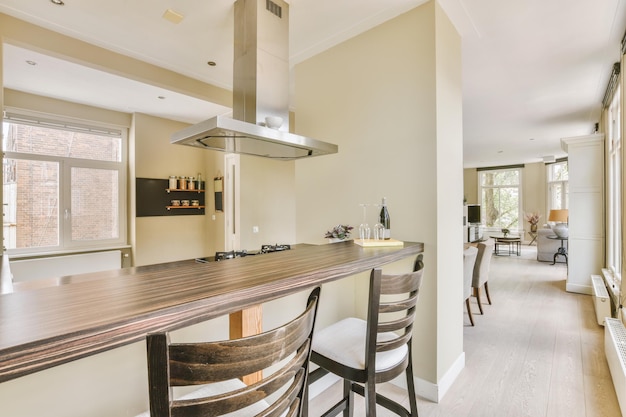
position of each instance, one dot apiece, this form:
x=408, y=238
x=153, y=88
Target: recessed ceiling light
x=29, y=62
x=532, y=139
x=57, y=2
x=161, y=97
x=173, y=16
x=211, y=63
x=500, y=151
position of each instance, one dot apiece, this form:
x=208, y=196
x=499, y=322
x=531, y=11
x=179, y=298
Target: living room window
x=64, y=185
x=614, y=187
x=558, y=185
x=500, y=196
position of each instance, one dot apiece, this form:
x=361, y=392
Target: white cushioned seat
x=344, y=342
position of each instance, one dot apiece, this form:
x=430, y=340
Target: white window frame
x=614, y=188
x=564, y=186
x=66, y=244
x=520, y=218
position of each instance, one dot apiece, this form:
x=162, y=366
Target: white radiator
x=601, y=300
x=615, y=351
x=59, y=266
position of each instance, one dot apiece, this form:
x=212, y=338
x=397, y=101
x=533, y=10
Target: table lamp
x=560, y=217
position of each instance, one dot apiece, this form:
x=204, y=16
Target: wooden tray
x=371, y=242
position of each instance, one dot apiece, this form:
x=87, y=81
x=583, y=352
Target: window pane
x=508, y=177
x=31, y=198
x=558, y=172
x=501, y=207
x=42, y=140
x=95, y=204
x=556, y=195
x=500, y=198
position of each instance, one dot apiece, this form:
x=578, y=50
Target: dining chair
x=480, y=276
x=218, y=366
x=469, y=260
x=367, y=352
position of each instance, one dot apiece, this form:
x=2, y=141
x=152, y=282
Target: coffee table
x=512, y=243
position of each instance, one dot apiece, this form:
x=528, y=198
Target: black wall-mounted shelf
x=154, y=197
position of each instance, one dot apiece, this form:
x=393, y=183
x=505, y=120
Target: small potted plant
x=533, y=219
x=339, y=233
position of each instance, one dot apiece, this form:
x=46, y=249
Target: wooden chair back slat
x=401, y=321
x=188, y=364
x=202, y=363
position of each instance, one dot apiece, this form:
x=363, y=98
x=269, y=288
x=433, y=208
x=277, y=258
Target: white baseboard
x=578, y=288
x=435, y=392
x=423, y=388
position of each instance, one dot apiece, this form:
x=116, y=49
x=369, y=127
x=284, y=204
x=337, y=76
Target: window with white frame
x=557, y=175
x=614, y=187
x=64, y=185
x=500, y=196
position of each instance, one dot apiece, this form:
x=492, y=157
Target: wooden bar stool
x=365, y=353
x=218, y=366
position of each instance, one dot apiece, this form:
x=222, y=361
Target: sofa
x=546, y=248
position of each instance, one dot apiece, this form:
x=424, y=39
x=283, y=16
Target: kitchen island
x=77, y=316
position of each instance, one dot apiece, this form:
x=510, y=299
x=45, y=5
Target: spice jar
x=173, y=182
x=182, y=183
x=191, y=183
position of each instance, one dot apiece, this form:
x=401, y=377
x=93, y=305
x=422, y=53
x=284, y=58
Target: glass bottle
x=385, y=220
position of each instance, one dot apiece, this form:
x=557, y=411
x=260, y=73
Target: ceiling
x=534, y=71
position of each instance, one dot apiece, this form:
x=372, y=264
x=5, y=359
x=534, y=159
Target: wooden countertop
x=81, y=315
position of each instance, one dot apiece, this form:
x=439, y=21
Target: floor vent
x=615, y=350
x=601, y=300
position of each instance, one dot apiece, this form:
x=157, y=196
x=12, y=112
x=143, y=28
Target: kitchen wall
x=158, y=239
x=267, y=202
x=391, y=99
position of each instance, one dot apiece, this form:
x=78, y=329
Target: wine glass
x=364, y=228
x=379, y=229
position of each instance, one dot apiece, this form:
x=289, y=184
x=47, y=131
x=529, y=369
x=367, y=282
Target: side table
x=533, y=237
x=562, y=251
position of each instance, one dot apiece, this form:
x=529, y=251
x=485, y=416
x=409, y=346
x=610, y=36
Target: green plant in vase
x=341, y=232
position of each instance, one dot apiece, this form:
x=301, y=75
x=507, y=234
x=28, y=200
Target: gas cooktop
x=222, y=256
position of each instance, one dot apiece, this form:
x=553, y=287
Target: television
x=473, y=214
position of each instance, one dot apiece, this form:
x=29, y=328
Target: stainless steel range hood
x=260, y=89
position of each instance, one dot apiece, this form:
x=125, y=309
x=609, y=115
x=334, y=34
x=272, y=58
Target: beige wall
x=470, y=185
x=391, y=99
x=267, y=201
x=168, y=238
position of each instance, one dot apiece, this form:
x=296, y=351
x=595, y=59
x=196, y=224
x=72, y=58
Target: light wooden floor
x=537, y=351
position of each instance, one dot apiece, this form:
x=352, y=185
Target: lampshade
x=558, y=216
